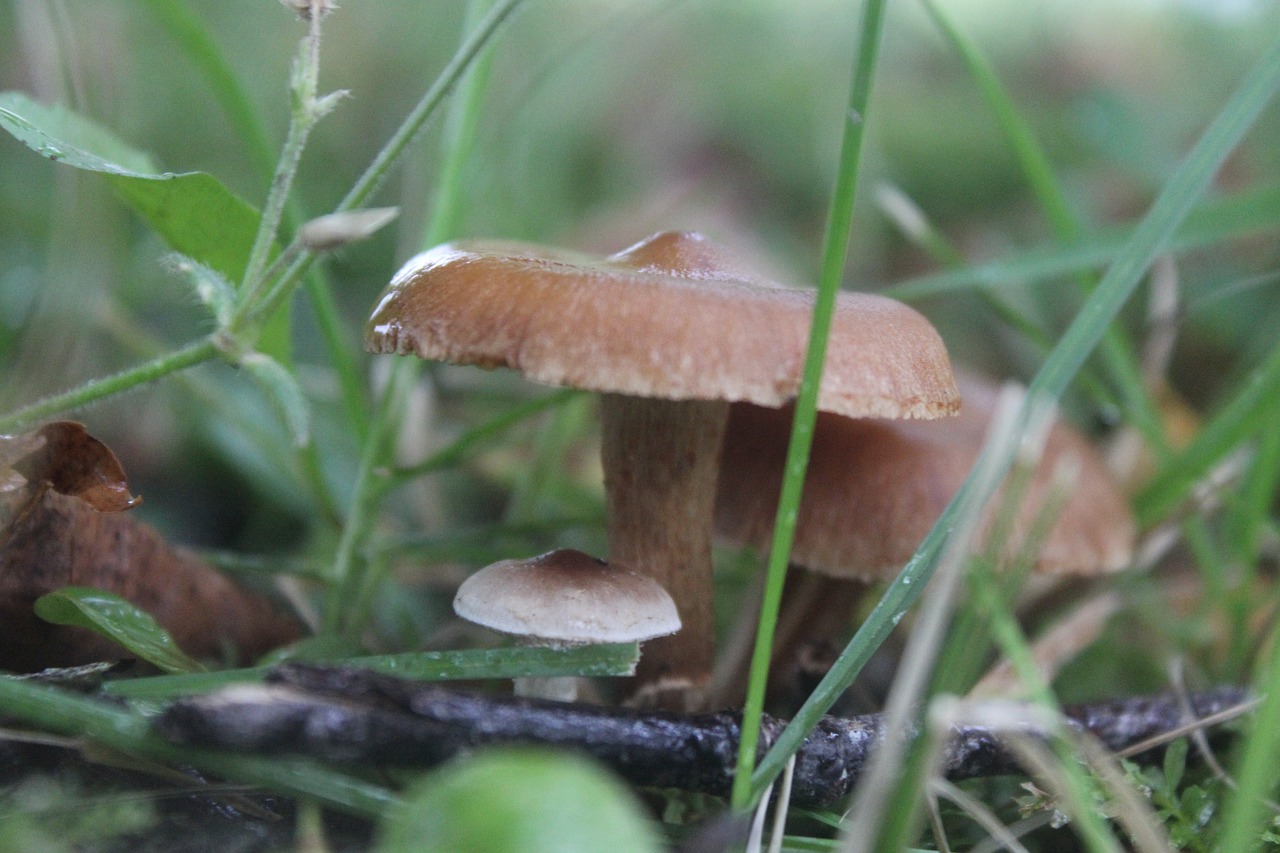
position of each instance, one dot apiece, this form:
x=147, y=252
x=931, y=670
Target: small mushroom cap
x=875, y=487
x=672, y=317
x=568, y=597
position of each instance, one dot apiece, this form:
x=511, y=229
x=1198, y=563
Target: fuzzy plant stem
x=186, y=28
x=390, y=153
x=307, y=111
x=839, y=221
x=351, y=576
x=257, y=310
x=337, y=713
x=192, y=354
x=345, y=577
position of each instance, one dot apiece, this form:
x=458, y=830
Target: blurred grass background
x=601, y=122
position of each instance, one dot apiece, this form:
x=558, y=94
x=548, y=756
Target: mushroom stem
x=559, y=688
x=661, y=459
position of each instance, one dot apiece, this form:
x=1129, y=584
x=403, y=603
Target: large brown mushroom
x=670, y=331
x=875, y=488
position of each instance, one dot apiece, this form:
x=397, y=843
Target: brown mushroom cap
x=567, y=596
x=875, y=488
x=670, y=317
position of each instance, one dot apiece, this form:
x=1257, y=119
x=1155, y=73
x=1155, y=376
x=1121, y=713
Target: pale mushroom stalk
x=561, y=688
x=661, y=459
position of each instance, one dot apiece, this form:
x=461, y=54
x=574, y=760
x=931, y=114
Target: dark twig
x=350, y=715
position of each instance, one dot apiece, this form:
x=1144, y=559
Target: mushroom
x=669, y=331
x=565, y=598
x=876, y=487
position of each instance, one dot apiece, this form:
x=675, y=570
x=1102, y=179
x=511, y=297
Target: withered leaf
x=72, y=462
x=62, y=528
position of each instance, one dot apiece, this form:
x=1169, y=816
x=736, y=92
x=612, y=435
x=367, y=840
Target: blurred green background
x=602, y=122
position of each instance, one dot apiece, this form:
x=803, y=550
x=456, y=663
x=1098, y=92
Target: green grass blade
x=466, y=55
x=124, y=731
x=461, y=126
x=836, y=245
x=1246, y=811
x=192, y=37
x=1146, y=241
x=109, y=615
x=916, y=227
x=1117, y=351
x=1245, y=416
x=1030, y=154
x=1210, y=222
x=608, y=660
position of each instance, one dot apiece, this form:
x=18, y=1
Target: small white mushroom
x=565, y=598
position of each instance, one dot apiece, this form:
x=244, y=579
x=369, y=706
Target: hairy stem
x=307, y=111
x=98, y=389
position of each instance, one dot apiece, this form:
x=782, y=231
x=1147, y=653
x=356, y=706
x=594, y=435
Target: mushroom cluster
x=669, y=332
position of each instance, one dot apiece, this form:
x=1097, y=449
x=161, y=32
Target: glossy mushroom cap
x=875, y=488
x=568, y=597
x=671, y=317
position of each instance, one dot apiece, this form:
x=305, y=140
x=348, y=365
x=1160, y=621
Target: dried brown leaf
x=72, y=462
x=61, y=526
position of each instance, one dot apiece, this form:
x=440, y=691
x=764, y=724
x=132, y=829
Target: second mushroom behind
x=875, y=489
x=669, y=331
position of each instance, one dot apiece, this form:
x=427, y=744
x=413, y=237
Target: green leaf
x=1175, y=762
x=111, y=616
x=519, y=801
x=193, y=212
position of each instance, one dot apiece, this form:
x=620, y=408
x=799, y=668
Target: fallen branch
x=358, y=716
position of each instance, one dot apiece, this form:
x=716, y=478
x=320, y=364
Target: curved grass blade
x=614, y=659
x=1211, y=222
x=1117, y=350
x=120, y=621
x=53, y=710
x=835, y=251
